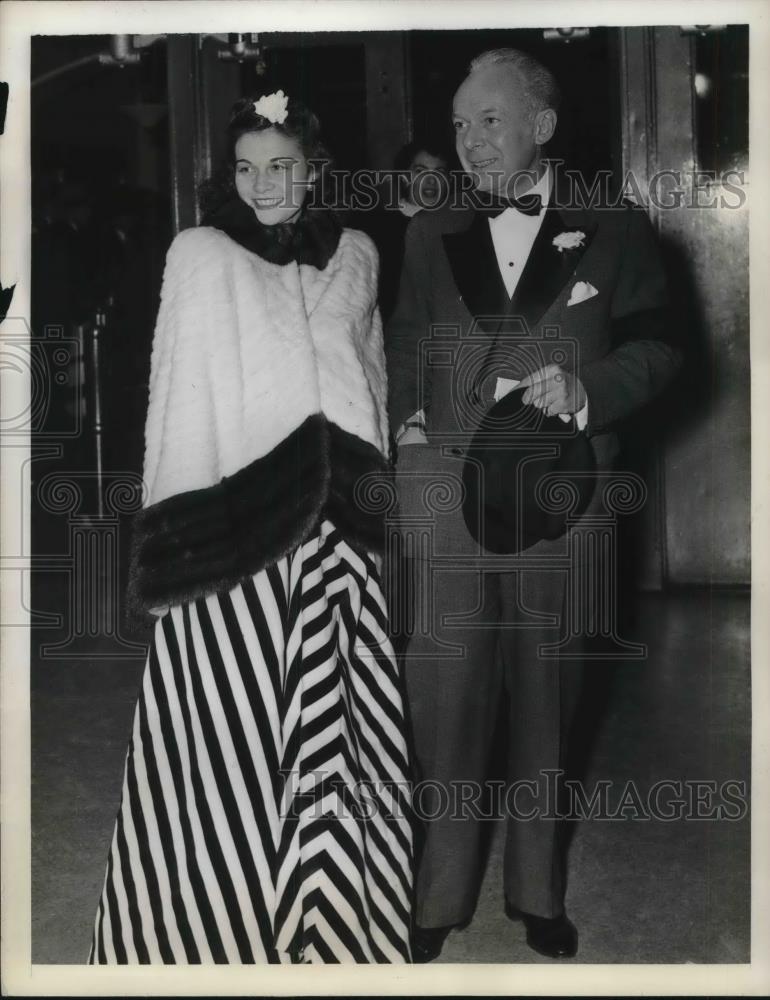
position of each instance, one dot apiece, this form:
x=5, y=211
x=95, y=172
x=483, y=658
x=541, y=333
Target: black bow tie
x=528, y=204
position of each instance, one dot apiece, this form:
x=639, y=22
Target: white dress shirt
x=513, y=236
x=514, y=233
x=408, y=208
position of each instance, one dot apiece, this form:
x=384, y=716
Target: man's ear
x=545, y=126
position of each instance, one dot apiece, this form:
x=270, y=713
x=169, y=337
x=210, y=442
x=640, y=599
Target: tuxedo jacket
x=592, y=297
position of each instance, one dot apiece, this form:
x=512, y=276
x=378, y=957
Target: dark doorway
x=328, y=78
x=101, y=225
x=588, y=129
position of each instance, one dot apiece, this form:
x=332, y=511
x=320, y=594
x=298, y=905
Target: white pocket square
x=581, y=291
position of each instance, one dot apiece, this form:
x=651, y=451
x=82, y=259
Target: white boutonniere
x=274, y=107
x=569, y=240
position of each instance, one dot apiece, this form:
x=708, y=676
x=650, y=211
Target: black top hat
x=525, y=475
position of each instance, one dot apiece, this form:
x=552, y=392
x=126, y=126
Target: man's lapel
x=472, y=259
x=548, y=268
x=476, y=273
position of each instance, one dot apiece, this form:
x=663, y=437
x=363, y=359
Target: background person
x=419, y=165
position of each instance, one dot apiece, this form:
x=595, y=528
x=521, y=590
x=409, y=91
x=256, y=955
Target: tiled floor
x=639, y=891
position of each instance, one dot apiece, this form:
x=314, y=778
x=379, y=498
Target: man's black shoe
x=427, y=942
x=554, y=937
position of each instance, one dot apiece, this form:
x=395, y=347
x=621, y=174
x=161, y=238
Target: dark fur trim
x=356, y=514
x=206, y=541
x=312, y=238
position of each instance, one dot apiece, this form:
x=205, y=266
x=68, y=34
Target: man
x=594, y=277
x=419, y=164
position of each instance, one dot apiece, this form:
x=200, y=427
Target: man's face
x=424, y=186
x=494, y=136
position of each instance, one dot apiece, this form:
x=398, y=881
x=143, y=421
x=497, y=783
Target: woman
x=263, y=816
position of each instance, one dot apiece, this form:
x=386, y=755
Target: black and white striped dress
x=264, y=813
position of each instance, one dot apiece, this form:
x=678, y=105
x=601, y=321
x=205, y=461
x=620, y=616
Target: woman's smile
x=271, y=175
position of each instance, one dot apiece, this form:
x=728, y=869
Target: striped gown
x=264, y=813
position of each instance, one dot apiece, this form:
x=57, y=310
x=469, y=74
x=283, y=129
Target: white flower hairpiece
x=569, y=240
x=274, y=107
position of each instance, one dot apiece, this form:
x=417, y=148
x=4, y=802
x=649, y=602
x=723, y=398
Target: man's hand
x=554, y=390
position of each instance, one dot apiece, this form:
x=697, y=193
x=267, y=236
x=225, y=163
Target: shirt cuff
x=417, y=419
x=581, y=417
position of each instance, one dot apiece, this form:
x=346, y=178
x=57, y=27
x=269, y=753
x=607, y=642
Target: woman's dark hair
x=422, y=144
x=300, y=124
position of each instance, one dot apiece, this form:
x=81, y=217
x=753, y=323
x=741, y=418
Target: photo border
x=19, y=20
